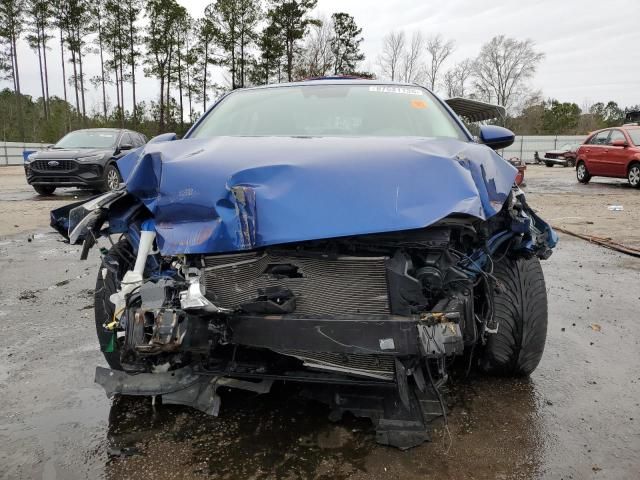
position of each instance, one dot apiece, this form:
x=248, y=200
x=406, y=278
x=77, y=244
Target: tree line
x=251, y=42
x=500, y=73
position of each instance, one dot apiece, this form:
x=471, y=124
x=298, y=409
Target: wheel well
x=631, y=164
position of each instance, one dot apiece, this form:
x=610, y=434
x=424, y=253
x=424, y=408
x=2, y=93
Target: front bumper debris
x=401, y=416
x=177, y=387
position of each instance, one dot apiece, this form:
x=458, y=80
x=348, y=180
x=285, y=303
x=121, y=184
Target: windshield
x=634, y=133
x=568, y=147
x=88, y=139
x=330, y=110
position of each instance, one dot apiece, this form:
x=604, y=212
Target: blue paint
x=238, y=193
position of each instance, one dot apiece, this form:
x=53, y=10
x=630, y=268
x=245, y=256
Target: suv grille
x=339, y=285
x=52, y=165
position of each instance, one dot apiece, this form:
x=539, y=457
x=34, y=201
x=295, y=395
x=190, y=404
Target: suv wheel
x=521, y=311
x=44, y=189
x=549, y=164
x=112, y=178
x=582, y=173
x=634, y=175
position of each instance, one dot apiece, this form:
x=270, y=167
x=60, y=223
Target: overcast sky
x=590, y=47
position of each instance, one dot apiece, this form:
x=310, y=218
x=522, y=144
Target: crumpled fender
x=238, y=193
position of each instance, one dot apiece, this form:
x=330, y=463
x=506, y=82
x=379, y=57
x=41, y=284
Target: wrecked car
x=347, y=235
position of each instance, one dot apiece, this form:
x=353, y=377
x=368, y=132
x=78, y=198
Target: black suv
x=83, y=158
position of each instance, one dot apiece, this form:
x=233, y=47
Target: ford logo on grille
x=53, y=163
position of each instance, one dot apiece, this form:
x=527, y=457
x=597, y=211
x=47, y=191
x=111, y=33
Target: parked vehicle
x=565, y=155
x=82, y=158
x=632, y=116
x=611, y=152
x=348, y=235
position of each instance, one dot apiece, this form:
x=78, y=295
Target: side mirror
x=496, y=137
x=619, y=143
x=164, y=137
x=125, y=146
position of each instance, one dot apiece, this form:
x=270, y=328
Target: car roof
x=333, y=81
x=106, y=129
x=98, y=130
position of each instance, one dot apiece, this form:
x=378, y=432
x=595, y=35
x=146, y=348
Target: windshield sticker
x=418, y=103
x=394, y=89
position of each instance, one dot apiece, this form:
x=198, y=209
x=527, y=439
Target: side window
x=616, y=135
x=126, y=139
x=142, y=138
x=600, y=138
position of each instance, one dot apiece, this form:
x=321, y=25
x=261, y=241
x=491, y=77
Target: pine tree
x=345, y=44
x=290, y=17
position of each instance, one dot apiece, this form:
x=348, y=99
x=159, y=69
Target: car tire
x=571, y=163
x=103, y=308
x=582, y=174
x=520, y=307
x=633, y=175
x=112, y=178
x=44, y=189
x=548, y=164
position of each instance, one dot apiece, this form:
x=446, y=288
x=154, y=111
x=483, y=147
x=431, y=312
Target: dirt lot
x=583, y=209
x=577, y=417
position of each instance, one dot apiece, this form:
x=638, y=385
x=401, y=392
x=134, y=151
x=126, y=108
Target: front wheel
x=549, y=164
x=119, y=260
x=520, y=308
x=112, y=178
x=44, y=189
x=634, y=175
x=582, y=173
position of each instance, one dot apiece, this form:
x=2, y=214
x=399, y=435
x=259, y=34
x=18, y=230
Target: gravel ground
x=577, y=417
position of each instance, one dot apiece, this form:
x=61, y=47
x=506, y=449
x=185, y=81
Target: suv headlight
x=31, y=157
x=91, y=158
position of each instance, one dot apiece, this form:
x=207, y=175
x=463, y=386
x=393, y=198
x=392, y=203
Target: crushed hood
x=238, y=193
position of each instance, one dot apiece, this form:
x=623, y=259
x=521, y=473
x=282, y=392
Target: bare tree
x=503, y=68
x=392, y=54
x=439, y=50
x=412, y=58
x=316, y=58
x=456, y=79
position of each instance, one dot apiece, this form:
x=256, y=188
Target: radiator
x=322, y=286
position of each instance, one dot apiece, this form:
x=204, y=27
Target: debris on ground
x=122, y=452
x=28, y=295
x=595, y=327
x=603, y=242
x=615, y=208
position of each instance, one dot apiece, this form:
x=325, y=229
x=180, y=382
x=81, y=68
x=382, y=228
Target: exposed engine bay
x=379, y=317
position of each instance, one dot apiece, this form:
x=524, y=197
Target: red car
x=612, y=152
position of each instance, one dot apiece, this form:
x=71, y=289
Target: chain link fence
x=525, y=146
x=12, y=153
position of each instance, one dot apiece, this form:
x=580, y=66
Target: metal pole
x=521, y=142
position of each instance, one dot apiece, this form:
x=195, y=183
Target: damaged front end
x=370, y=322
